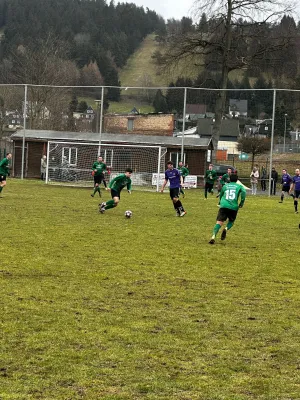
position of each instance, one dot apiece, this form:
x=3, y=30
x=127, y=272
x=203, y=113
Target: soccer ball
x=128, y=214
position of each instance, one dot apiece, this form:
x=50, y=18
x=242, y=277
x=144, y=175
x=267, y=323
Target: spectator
x=43, y=167
x=263, y=179
x=274, y=180
x=254, y=180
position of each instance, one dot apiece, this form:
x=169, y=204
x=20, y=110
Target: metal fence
x=178, y=110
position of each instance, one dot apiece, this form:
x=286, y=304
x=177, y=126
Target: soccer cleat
x=102, y=207
x=217, y=196
x=299, y=226
x=280, y=202
x=212, y=241
x=182, y=214
x=296, y=212
x=223, y=235
x=92, y=195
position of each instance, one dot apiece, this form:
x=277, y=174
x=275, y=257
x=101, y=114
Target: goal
x=70, y=163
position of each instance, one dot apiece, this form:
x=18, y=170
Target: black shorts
x=209, y=186
x=297, y=194
x=115, y=193
x=285, y=188
x=98, y=178
x=174, y=192
x=225, y=213
x=2, y=178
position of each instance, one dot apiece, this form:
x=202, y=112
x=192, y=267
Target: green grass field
x=99, y=307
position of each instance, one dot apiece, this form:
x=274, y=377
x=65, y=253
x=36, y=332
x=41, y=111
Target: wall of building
x=195, y=158
x=32, y=163
x=151, y=124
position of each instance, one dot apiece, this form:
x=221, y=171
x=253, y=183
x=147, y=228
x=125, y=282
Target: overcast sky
x=178, y=8
x=168, y=8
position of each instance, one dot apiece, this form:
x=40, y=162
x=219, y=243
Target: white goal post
x=70, y=163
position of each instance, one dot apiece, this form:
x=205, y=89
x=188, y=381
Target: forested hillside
x=95, y=36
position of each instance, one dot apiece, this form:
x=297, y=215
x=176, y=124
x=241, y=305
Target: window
x=130, y=124
x=70, y=155
x=176, y=157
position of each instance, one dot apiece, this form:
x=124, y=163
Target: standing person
x=173, y=176
x=4, y=170
x=210, y=178
x=263, y=179
x=286, y=181
x=295, y=186
x=254, y=180
x=43, y=167
x=274, y=180
x=98, y=171
x=232, y=197
x=184, y=171
x=115, y=186
x=225, y=179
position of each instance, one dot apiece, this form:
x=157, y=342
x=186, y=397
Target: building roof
x=238, y=105
x=229, y=127
x=195, y=109
x=93, y=137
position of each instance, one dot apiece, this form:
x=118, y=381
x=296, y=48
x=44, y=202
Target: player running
x=173, y=176
x=116, y=185
x=225, y=179
x=98, y=171
x=295, y=186
x=232, y=197
x=183, y=172
x=210, y=178
x=4, y=170
x=286, y=181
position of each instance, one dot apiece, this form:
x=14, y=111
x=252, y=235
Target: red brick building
x=140, y=124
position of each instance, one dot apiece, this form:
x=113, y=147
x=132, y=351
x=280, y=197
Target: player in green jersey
x=4, y=170
x=225, y=179
x=98, y=171
x=184, y=171
x=210, y=178
x=115, y=187
x=232, y=197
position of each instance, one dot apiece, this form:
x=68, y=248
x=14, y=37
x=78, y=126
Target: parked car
x=222, y=169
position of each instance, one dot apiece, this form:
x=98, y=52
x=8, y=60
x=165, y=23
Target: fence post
x=272, y=140
x=158, y=169
x=101, y=119
x=24, y=132
x=183, y=125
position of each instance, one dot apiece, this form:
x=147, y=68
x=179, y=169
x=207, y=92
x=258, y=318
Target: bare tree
x=43, y=62
x=236, y=37
x=253, y=145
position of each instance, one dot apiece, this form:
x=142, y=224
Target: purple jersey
x=296, y=182
x=173, y=176
x=286, y=179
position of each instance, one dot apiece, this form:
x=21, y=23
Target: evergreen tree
x=160, y=103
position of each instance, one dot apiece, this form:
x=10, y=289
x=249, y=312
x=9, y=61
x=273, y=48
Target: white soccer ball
x=128, y=214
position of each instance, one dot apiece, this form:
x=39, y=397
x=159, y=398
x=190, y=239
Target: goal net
x=70, y=163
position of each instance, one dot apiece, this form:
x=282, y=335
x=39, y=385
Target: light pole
x=285, y=115
x=100, y=105
x=98, y=102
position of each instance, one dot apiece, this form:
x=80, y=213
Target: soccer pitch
x=103, y=307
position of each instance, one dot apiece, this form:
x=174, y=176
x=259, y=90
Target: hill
x=141, y=70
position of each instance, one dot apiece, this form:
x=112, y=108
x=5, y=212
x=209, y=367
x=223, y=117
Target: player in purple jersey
x=175, y=178
x=295, y=186
x=286, y=181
